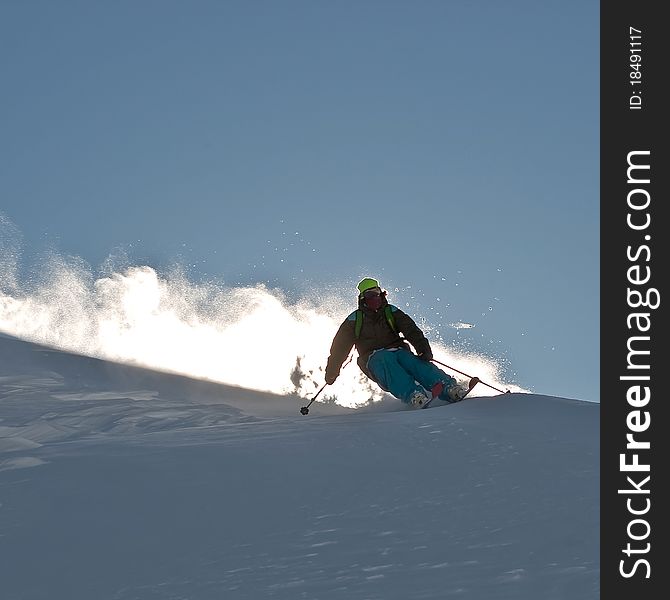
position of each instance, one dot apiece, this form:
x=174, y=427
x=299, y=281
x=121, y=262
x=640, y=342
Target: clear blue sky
x=450, y=148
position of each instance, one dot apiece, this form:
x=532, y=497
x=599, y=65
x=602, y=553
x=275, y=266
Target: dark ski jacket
x=376, y=333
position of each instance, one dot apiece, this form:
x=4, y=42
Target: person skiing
x=384, y=356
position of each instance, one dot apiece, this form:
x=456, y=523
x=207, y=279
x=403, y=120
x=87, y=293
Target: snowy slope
x=120, y=483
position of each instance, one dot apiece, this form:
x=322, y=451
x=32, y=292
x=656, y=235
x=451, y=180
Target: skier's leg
x=426, y=373
x=391, y=377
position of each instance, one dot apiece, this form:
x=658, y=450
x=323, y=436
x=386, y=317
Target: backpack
x=388, y=313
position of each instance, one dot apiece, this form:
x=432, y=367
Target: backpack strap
x=388, y=313
x=359, y=323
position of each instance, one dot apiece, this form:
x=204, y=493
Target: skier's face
x=373, y=298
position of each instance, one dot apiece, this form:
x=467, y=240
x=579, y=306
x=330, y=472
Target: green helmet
x=367, y=284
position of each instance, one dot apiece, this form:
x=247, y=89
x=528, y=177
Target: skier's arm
x=342, y=344
x=413, y=334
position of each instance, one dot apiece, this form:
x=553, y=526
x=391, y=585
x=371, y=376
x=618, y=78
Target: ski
x=473, y=382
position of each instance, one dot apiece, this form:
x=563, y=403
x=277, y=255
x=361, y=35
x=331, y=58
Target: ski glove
x=330, y=379
x=427, y=355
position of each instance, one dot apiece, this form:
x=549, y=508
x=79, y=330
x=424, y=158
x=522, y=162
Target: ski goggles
x=372, y=293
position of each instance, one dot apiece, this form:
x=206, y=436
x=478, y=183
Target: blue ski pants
x=402, y=373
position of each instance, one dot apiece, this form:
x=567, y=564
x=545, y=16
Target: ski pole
x=305, y=409
x=470, y=377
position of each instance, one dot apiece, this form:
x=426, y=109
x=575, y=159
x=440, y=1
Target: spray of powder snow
x=252, y=337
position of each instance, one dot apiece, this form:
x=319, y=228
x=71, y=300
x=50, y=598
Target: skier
x=384, y=356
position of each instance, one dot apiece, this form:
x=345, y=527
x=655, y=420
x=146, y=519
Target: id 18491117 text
x=635, y=71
